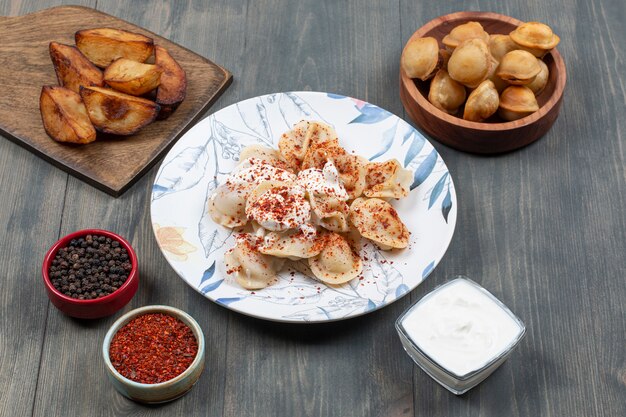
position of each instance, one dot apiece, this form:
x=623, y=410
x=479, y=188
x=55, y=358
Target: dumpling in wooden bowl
x=387, y=180
x=251, y=269
x=336, y=263
x=379, y=222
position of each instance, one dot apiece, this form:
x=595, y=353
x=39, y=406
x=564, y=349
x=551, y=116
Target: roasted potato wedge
x=73, y=68
x=132, y=77
x=113, y=112
x=64, y=115
x=104, y=45
x=173, y=86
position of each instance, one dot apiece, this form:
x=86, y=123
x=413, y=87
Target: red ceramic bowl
x=100, y=307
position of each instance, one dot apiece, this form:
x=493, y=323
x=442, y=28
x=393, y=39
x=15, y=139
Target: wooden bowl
x=495, y=135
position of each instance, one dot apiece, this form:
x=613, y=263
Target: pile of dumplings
x=488, y=73
x=309, y=200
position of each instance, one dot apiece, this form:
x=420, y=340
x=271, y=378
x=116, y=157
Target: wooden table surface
x=543, y=228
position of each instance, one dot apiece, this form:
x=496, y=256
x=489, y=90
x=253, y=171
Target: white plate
x=194, y=245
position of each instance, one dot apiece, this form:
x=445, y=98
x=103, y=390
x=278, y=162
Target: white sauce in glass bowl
x=461, y=328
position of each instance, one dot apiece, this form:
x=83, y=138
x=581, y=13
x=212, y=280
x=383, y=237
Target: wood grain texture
x=495, y=135
x=32, y=193
x=543, y=228
x=111, y=163
x=339, y=369
x=37, y=196
x=129, y=216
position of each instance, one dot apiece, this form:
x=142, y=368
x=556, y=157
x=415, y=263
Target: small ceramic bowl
x=495, y=135
x=99, y=307
x=164, y=391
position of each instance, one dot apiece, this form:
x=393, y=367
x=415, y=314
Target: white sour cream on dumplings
x=280, y=208
x=323, y=182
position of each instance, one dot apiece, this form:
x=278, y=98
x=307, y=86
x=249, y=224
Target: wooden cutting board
x=110, y=164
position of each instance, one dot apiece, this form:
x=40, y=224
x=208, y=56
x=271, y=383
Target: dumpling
x=293, y=244
x=294, y=144
x=278, y=205
x=227, y=204
x=331, y=214
x=265, y=154
x=327, y=197
x=251, y=269
x=254, y=170
x=351, y=168
x=317, y=156
x=336, y=263
x=379, y=222
x=352, y=171
x=354, y=239
x=387, y=180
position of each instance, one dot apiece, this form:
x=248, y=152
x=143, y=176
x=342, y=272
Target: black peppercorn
x=90, y=267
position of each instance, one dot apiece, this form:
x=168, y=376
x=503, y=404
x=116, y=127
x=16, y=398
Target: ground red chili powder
x=153, y=348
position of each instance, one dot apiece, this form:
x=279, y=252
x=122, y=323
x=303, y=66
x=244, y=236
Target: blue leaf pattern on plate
x=206, y=285
x=335, y=96
x=428, y=269
x=410, y=132
x=388, y=137
x=446, y=205
x=232, y=140
x=424, y=170
x=371, y=114
x=416, y=146
x=293, y=109
x=437, y=189
x=256, y=121
x=182, y=172
x=208, y=274
x=293, y=294
x=387, y=277
x=401, y=290
x=159, y=189
x=212, y=286
x=337, y=308
x=212, y=238
x=228, y=300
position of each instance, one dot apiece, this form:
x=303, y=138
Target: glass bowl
x=459, y=382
